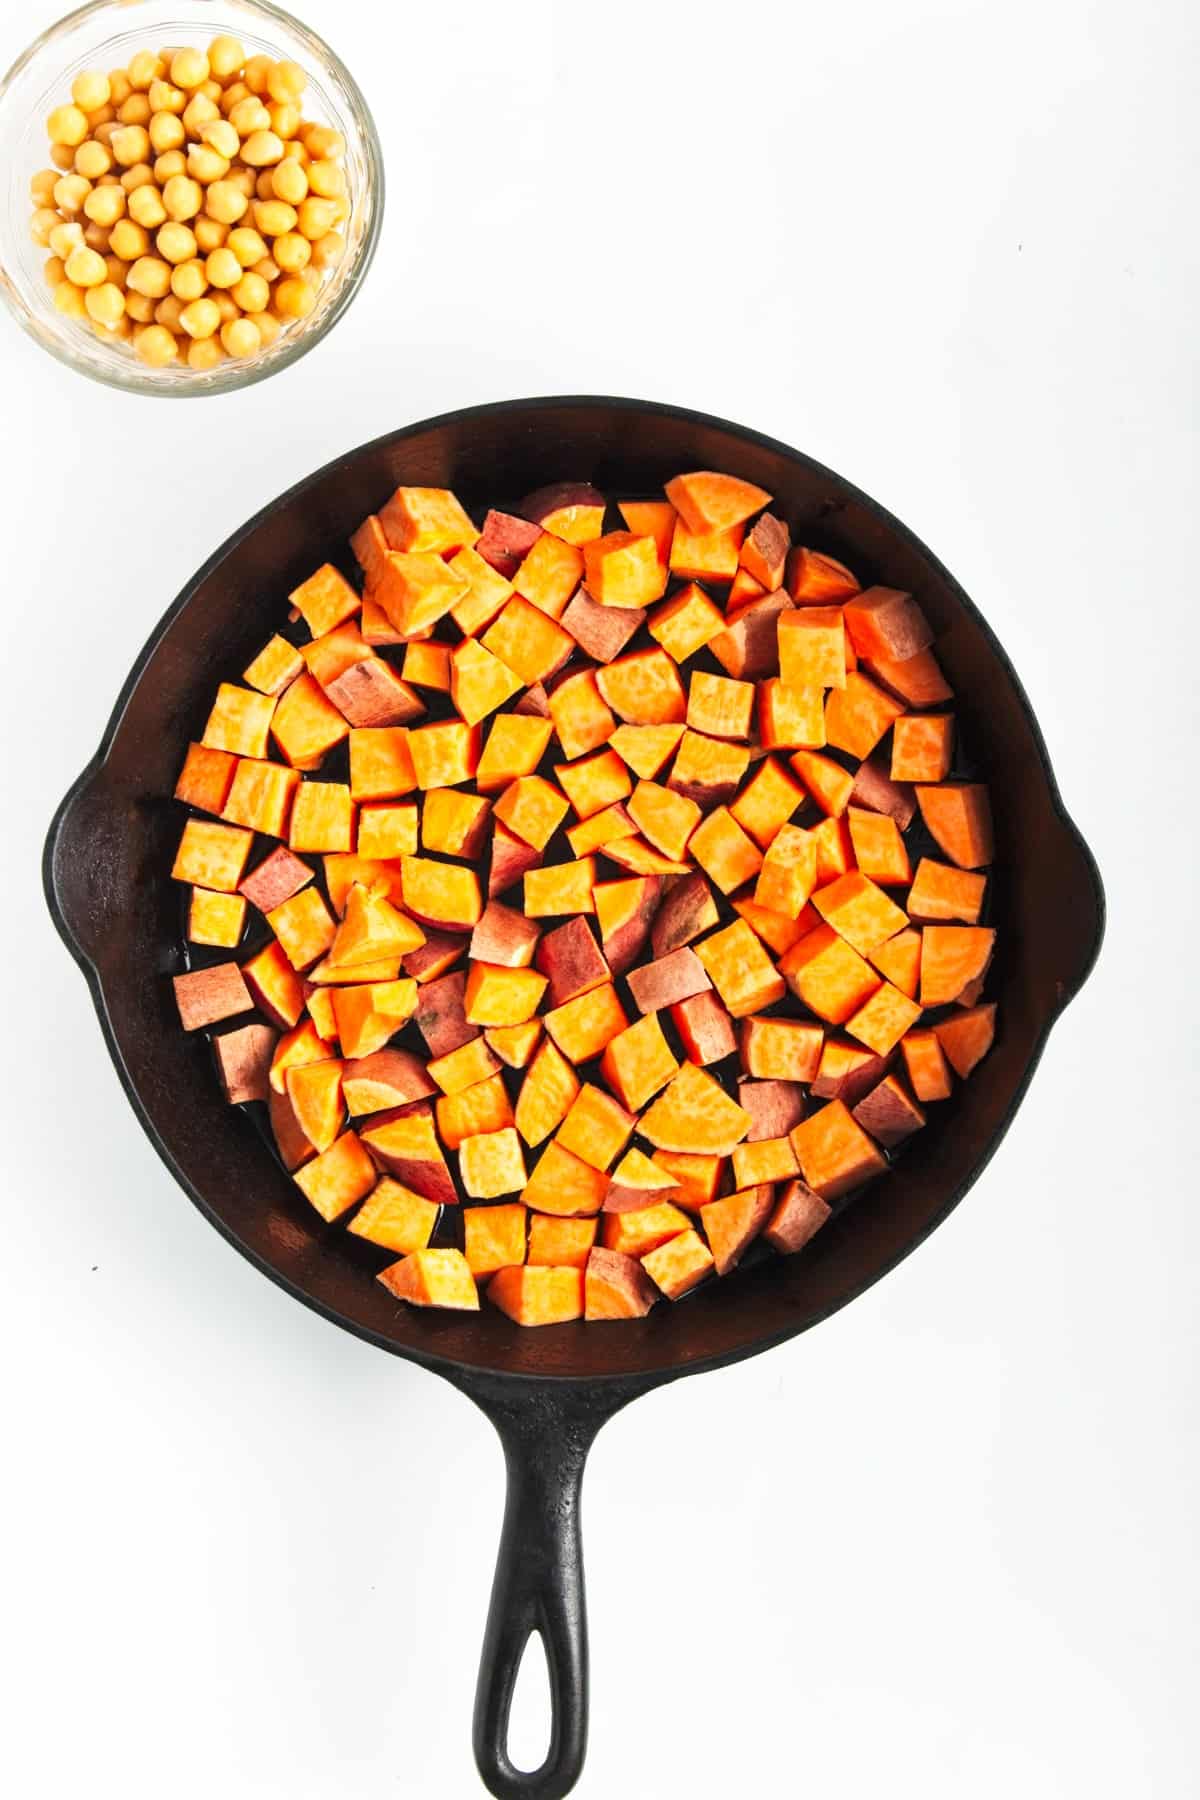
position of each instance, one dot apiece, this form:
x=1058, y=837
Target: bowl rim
x=126, y=374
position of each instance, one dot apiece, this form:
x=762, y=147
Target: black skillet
x=547, y=1391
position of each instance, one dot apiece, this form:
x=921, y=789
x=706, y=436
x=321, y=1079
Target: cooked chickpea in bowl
x=201, y=206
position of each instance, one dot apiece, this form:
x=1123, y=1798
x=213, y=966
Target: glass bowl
x=104, y=35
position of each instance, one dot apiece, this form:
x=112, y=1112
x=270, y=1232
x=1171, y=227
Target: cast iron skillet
x=546, y=1391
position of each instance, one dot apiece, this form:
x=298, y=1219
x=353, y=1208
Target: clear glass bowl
x=105, y=35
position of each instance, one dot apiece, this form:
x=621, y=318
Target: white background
x=946, y=1545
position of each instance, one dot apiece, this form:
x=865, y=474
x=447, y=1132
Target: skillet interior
x=111, y=844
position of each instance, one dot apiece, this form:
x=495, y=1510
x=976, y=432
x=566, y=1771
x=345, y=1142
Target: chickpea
x=261, y=149
x=165, y=98
x=226, y=306
x=106, y=333
x=129, y=240
x=66, y=236
x=212, y=90
x=150, y=276
x=235, y=92
x=105, y=304
x=328, y=250
x=140, y=175
x=188, y=281
x=225, y=56
x=70, y=192
x=166, y=131
x=246, y=245
x=210, y=233
x=256, y=73
x=168, y=311
x=206, y=165
x=93, y=160
x=85, y=267
x=298, y=153
x=285, y=118
x=264, y=186
x=156, y=346
x=117, y=268
x=201, y=319
x=182, y=197
x=175, y=243
x=198, y=113
x=103, y=134
x=293, y=298
x=135, y=111
x=244, y=181
x=225, y=201
x=204, y=354
x=91, y=88
x=219, y=135
x=67, y=125
x=269, y=328
x=69, y=300
x=289, y=181
x=251, y=293
x=119, y=86
x=274, y=217
x=249, y=116
x=240, y=337
x=96, y=237
x=169, y=164
x=41, y=187
x=315, y=217
x=103, y=115
x=130, y=145
x=325, y=178
x=105, y=205
x=55, y=271
x=62, y=156
x=189, y=68
x=138, y=307
x=144, y=68
x=146, y=207
x=223, y=269
x=43, y=222
x=292, y=252
x=266, y=269
x=324, y=141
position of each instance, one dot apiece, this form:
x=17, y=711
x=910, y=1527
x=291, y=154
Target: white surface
x=944, y=1546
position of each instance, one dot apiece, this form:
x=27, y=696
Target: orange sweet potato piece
x=705, y=556
x=666, y=819
x=859, y=911
x=748, y=648
x=372, y=930
x=386, y=833
x=322, y=818
x=719, y=707
x=775, y=930
x=685, y=623
x=370, y=693
x=952, y=956
x=338, y=1178
x=291, y=1143
x=487, y=592
x=594, y=782
x=646, y=748
x=699, y=1177
x=454, y=823
x=643, y=688
x=368, y=1014
x=679, y=1264
x=635, y=854
x=687, y=910
x=695, y=1113
x=302, y=1045
x=514, y=1044
x=440, y=951
x=494, y=1237
x=416, y=589
x=596, y=1129
x=441, y=1014
x=882, y=1020
x=344, y=872
x=790, y=718
x=442, y=755
x=941, y=893
x=318, y=1004
x=582, y=719
x=742, y=590
x=515, y=746
x=966, y=1039
x=623, y=570
x=331, y=654
x=765, y=551
x=274, y=986
x=537, y=1295
x=442, y=894
x=385, y=1079
x=638, y=1061
x=959, y=817
x=426, y=518
x=511, y=859
x=835, y=853
x=463, y=1067
x=829, y=784
x=781, y=1049
x=303, y=927
x=505, y=540
x=732, y=1224
x=616, y=1286
x=922, y=747
x=789, y=872
x=560, y=1243
x=625, y=912
x=473, y=1111
x=918, y=680
x=570, y=510
x=324, y=600
x=797, y=1218
x=815, y=579
x=381, y=764
x=433, y=1278
x=740, y=969
x=584, y=1027
x=602, y=828
x=493, y=1164
x=812, y=647
x=500, y=996
x=707, y=501
x=572, y=961
x=533, y=808
x=276, y=664
x=899, y=960
x=546, y=1094
x=549, y=574
x=243, y=1060
x=407, y=1147
x=926, y=1065
x=858, y=715
x=889, y=1113
x=602, y=632
x=879, y=850
x=828, y=974
x=636, y=1231
x=315, y=1091
x=564, y=887
x=211, y=855
x=727, y=856
x=875, y=790
x=427, y=665
x=705, y=1028
x=527, y=640
x=659, y=984
x=505, y=937
x=205, y=996
x=305, y=725
x=564, y=1184
x=834, y=1152
x=395, y=1218
x=886, y=622
x=767, y=801
x=638, y=1183
x=206, y=777
x=479, y=682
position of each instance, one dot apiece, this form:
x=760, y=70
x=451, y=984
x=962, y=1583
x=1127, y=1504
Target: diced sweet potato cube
x=315, y=1091
x=260, y=796
x=440, y=951
x=882, y=1020
x=275, y=879
x=834, y=1152
x=387, y=1078
x=322, y=818
x=570, y=510
x=828, y=974
x=243, y=1059
x=206, y=777
x=769, y=1160
x=502, y=996
x=797, y=1218
x=564, y=1184
x=445, y=754
x=883, y=621
x=546, y=1094
x=344, y=872
x=563, y=888
x=538, y=1295
x=685, y=623
x=774, y=1107
x=492, y=1164
x=395, y=1218
x=602, y=632
x=427, y=665
x=875, y=790
x=966, y=1040
x=643, y=688
x=511, y=859
x=699, y=1177
x=659, y=984
x=407, y=1147
x=637, y=1183
x=337, y=1178
x=889, y=1113
x=732, y=1224
x=719, y=707
x=596, y=1129
x=370, y=694
x=638, y=1061
x=705, y=556
x=767, y=802
x=705, y=1028
x=625, y=912
x=602, y=828
x=329, y=974
x=707, y=501
x=623, y=570
x=815, y=579
x=723, y=850
x=306, y=726
x=473, y=1111
x=324, y=600
x=515, y=746
x=212, y=856
x=959, y=817
x=952, y=956
x=329, y=656
x=416, y=589
x=926, y=1065
x=426, y=518
x=650, y=518
x=479, y=681
x=560, y=1243
x=879, y=850
x=922, y=747
x=387, y=832
x=695, y=1114
x=829, y=784
x=775, y=929
x=462, y=1068
x=585, y=1026
x=303, y=927
x=646, y=748
x=812, y=647
x=781, y=1049
x=708, y=770
x=504, y=937
x=377, y=629
x=215, y=919
x=679, y=1264
x=274, y=985
x=789, y=872
x=442, y=894
x=595, y=782
x=318, y=1004
x=454, y=823
x=918, y=680
x=616, y=1286
x=494, y=1237
x=640, y=858
x=549, y=574
x=748, y=648
x=532, y=808
x=940, y=893
x=488, y=590
x=835, y=853
x=369, y=1013
x=433, y=1278
x=636, y=1231
x=765, y=551
x=276, y=664
x=790, y=718
x=740, y=969
x=290, y=1142
x=688, y=910
x=899, y=960
x=527, y=640
x=571, y=960
x=205, y=996
x=859, y=911
x=514, y=1044
x=296, y=1049
x=582, y=719
x=505, y=540
x=858, y=715
x=372, y=930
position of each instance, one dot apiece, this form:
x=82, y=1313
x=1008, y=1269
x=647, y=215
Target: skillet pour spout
x=548, y=1391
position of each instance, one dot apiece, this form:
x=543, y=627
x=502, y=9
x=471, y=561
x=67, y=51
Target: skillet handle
x=546, y=1432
